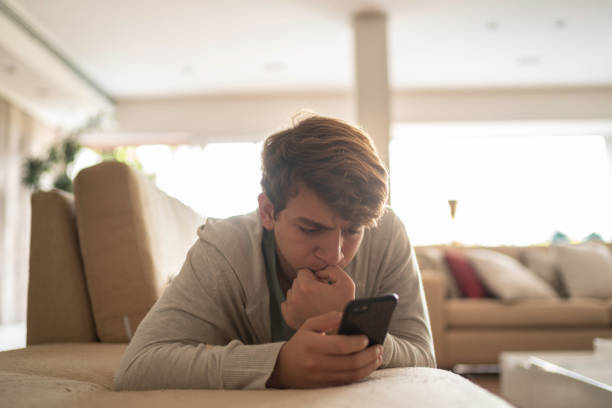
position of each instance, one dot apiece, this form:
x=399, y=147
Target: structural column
x=371, y=78
x=608, y=139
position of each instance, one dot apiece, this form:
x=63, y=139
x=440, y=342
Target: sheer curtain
x=20, y=137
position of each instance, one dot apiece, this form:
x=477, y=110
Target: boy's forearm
x=175, y=365
x=403, y=352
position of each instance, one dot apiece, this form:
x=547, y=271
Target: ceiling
x=144, y=48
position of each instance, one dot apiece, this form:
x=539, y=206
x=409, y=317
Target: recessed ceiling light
x=275, y=66
x=187, y=69
x=529, y=60
x=560, y=23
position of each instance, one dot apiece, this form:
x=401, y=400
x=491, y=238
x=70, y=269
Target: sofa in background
x=98, y=262
x=469, y=330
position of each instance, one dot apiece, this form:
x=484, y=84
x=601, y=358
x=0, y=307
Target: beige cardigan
x=211, y=327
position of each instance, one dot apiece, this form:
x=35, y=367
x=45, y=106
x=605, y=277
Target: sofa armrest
x=434, y=284
x=133, y=239
x=59, y=309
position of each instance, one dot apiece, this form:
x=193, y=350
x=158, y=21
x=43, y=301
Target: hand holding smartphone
x=369, y=316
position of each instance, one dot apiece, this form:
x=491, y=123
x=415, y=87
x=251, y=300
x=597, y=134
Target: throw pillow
x=586, y=269
x=506, y=278
x=433, y=258
x=464, y=274
x=544, y=264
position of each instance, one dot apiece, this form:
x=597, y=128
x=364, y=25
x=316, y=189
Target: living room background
x=517, y=189
x=195, y=100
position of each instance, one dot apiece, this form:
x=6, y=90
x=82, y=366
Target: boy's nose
x=330, y=250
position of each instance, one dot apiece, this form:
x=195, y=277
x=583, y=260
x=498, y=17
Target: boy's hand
x=313, y=294
x=315, y=358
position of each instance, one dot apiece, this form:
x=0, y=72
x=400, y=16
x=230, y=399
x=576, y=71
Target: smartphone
x=369, y=316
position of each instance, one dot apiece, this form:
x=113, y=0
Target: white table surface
x=557, y=378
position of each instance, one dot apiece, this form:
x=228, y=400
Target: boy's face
x=309, y=234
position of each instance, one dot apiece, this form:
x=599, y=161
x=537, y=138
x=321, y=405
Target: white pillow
x=506, y=278
x=543, y=263
x=586, y=269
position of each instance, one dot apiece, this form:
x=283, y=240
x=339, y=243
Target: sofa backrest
x=513, y=251
x=59, y=309
x=133, y=239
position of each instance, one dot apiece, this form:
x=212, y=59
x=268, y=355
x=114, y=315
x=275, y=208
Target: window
x=513, y=190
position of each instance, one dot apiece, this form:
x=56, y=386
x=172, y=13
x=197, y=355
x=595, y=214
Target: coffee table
x=557, y=378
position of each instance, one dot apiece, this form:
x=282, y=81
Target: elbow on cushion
x=120, y=382
x=127, y=377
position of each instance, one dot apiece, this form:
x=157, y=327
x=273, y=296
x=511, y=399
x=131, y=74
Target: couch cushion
x=59, y=309
x=543, y=262
x=31, y=390
x=537, y=313
x=134, y=238
x=506, y=278
x=387, y=388
x=465, y=275
x=93, y=363
x=586, y=269
x=433, y=259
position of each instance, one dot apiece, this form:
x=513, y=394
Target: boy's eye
x=354, y=230
x=309, y=230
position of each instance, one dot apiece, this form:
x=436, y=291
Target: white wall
x=200, y=119
x=20, y=137
x=503, y=104
x=224, y=117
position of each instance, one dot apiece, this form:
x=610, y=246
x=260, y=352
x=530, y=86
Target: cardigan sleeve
x=197, y=334
x=409, y=341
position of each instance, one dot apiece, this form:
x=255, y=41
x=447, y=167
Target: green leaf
x=54, y=154
x=33, y=170
x=71, y=147
x=63, y=182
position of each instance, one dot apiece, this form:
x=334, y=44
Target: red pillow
x=465, y=275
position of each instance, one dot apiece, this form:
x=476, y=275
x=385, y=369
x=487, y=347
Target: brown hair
x=336, y=160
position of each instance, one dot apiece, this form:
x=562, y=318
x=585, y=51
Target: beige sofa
x=476, y=331
x=99, y=260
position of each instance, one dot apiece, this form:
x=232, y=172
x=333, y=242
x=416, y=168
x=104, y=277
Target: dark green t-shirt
x=280, y=330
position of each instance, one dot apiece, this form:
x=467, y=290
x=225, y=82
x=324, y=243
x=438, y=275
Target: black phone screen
x=369, y=316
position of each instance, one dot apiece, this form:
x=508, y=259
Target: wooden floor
x=489, y=382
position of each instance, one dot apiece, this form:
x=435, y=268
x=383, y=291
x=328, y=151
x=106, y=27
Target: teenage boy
x=259, y=298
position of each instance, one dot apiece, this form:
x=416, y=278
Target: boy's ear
x=266, y=211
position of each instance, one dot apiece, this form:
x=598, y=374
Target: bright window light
x=218, y=180
x=86, y=157
x=510, y=190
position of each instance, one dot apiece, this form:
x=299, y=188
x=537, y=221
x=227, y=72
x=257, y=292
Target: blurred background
x=500, y=110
